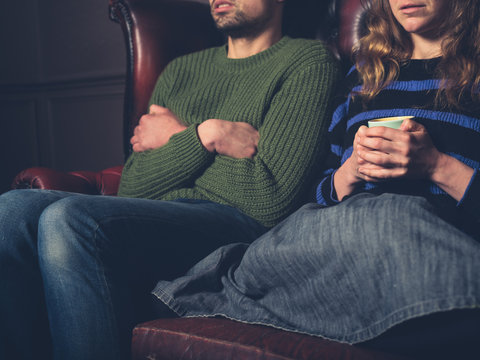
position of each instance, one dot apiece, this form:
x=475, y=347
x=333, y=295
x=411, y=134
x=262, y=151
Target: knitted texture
x=454, y=132
x=284, y=92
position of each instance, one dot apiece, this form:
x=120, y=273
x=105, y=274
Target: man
x=228, y=149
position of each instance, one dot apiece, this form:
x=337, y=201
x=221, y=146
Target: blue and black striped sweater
x=454, y=132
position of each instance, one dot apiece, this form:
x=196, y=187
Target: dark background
x=62, y=78
x=62, y=68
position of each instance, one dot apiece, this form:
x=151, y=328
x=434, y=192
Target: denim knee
x=61, y=231
x=18, y=223
x=14, y=206
x=376, y=225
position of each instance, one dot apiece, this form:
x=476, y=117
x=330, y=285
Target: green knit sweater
x=285, y=92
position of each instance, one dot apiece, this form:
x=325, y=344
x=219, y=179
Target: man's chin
x=233, y=32
x=236, y=31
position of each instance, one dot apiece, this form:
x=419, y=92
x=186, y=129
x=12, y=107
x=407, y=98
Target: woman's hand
x=348, y=176
x=386, y=153
x=382, y=153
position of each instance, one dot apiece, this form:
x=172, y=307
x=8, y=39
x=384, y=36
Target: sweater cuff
x=326, y=194
x=188, y=139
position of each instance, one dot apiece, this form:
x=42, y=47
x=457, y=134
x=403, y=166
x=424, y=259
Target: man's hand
x=155, y=129
x=235, y=139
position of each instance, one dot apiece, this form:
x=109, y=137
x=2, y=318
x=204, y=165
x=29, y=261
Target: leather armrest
x=104, y=182
x=155, y=33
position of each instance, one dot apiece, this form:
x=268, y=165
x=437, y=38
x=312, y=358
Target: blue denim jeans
x=76, y=271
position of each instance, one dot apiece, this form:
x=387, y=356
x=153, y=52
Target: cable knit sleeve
x=292, y=143
x=151, y=174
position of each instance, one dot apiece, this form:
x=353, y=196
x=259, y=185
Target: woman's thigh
x=370, y=262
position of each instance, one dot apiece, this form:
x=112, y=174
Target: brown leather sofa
x=157, y=31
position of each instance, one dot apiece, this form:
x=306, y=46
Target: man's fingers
x=157, y=109
x=136, y=147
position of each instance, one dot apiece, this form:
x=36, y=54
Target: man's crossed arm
x=234, y=139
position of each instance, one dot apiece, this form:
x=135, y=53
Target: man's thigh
x=20, y=211
x=164, y=237
x=20, y=204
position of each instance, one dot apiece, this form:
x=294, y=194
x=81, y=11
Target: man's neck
x=239, y=48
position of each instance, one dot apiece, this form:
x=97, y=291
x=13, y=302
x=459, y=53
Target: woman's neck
x=426, y=48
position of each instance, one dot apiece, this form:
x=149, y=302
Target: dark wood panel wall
x=62, y=68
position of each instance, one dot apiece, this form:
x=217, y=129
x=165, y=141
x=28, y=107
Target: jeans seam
x=100, y=270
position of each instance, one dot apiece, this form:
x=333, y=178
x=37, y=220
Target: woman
x=395, y=263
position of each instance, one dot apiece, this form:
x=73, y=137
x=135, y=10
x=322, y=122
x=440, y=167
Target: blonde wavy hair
x=387, y=45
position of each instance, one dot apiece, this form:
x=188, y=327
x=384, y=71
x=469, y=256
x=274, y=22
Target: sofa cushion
x=223, y=339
